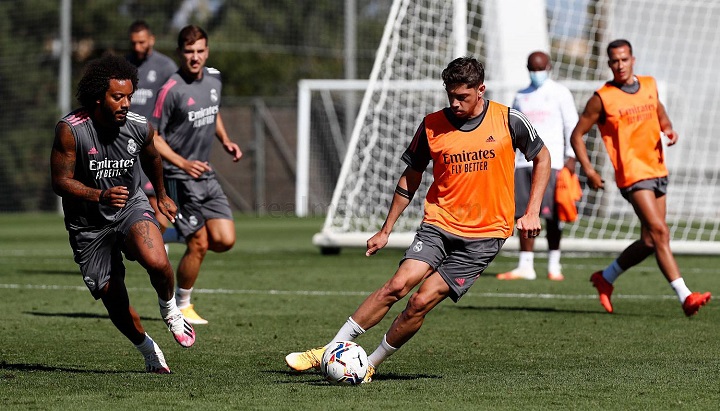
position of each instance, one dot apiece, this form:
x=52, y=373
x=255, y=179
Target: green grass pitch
x=535, y=345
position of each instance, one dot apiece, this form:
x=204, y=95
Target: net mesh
x=673, y=43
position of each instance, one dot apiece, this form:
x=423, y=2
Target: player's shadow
x=550, y=310
x=526, y=309
x=81, y=315
x=321, y=381
x=404, y=377
x=4, y=366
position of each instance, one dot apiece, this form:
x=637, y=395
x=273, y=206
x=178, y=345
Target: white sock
x=147, y=347
x=166, y=307
x=612, y=272
x=381, y=353
x=526, y=259
x=183, y=297
x=554, y=262
x=680, y=289
x=348, y=332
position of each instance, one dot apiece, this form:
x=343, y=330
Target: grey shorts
x=98, y=251
x=657, y=185
x=523, y=181
x=197, y=202
x=459, y=260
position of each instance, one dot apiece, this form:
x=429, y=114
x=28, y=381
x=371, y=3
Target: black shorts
x=197, y=202
x=98, y=251
x=459, y=260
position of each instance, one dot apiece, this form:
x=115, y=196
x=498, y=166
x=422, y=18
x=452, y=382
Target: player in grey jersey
x=187, y=113
x=154, y=68
x=95, y=167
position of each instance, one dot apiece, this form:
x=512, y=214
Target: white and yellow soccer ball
x=344, y=362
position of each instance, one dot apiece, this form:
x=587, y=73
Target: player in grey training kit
x=154, y=68
x=187, y=113
x=95, y=165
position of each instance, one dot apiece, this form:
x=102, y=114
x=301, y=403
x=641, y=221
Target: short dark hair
x=191, y=34
x=139, y=25
x=615, y=44
x=464, y=70
x=96, y=80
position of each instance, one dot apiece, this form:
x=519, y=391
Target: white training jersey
x=551, y=110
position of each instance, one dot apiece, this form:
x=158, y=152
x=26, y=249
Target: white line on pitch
x=542, y=296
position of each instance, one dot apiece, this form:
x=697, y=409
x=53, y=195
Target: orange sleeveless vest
x=631, y=132
x=473, y=192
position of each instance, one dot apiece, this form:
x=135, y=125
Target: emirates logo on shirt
x=107, y=168
x=469, y=161
x=204, y=116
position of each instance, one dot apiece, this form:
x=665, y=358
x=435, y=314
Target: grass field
x=506, y=345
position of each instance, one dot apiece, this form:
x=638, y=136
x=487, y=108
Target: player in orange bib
x=631, y=118
x=469, y=209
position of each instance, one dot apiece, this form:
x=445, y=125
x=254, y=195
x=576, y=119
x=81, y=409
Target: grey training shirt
x=104, y=158
x=185, y=113
x=153, y=72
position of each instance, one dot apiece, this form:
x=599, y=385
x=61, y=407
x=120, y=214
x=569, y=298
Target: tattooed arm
x=62, y=169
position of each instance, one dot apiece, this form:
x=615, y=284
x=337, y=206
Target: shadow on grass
x=321, y=381
x=528, y=309
x=81, y=315
x=48, y=368
x=546, y=310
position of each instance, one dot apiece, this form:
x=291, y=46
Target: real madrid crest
x=213, y=95
x=132, y=147
x=418, y=246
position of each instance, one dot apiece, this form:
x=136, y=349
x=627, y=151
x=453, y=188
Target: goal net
x=673, y=40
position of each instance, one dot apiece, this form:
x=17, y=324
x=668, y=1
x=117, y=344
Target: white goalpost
x=673, y=40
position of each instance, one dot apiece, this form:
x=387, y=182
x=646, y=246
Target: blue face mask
x=537, y=78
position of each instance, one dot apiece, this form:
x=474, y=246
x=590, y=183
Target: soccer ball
x=344, y=362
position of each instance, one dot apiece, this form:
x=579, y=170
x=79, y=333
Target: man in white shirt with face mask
x=551, y=109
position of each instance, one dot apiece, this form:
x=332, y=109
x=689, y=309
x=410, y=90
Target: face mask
x=537, y=78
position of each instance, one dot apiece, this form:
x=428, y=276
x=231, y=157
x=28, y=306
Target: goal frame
x=331, y=239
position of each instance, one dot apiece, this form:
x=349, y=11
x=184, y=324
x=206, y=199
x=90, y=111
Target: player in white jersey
x=154, y=68
x=95, y=167
x=187, y=113
x=551, y=109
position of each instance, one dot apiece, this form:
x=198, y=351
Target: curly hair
x=98, y=73
x=464, y=70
